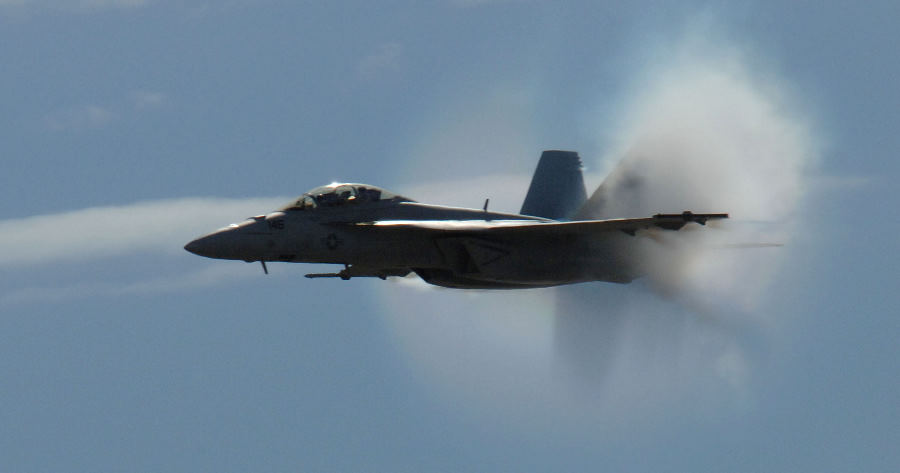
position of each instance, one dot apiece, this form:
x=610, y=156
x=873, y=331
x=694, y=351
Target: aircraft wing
x=626, y=225
x=470, y=247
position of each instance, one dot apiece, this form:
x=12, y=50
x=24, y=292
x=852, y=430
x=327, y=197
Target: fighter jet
x=376, y=233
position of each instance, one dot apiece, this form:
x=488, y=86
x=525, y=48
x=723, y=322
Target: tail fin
x=557, y=188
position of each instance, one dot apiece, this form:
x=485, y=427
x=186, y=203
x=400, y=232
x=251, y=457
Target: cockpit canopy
x=334, y=195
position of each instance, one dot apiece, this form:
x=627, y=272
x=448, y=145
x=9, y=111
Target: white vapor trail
x=99, y=232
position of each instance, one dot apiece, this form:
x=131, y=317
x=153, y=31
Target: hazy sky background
x=129, y=127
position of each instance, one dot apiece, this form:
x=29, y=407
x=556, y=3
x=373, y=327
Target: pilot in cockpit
x=368, y=195
x=336, y=195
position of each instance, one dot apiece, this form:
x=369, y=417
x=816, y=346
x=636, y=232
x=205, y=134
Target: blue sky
x=131, y=126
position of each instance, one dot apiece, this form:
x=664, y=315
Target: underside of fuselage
x=447, y=278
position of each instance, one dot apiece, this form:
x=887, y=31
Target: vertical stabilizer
x=557, y=188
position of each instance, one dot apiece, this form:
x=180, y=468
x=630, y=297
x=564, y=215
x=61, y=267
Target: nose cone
x=203, y=246
x=195, y=247
x=228, y=243
x=247, y=241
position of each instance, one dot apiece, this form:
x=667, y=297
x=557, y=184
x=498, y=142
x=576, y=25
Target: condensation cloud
x=708, y=129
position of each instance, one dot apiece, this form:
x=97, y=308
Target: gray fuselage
x=346, y=234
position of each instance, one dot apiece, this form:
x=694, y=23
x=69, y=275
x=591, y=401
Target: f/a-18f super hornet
x=376, y=233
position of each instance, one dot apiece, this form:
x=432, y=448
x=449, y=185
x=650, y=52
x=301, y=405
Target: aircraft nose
x=227, y=243
x=220, y=244
x=199, y=247
x=194, y=247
